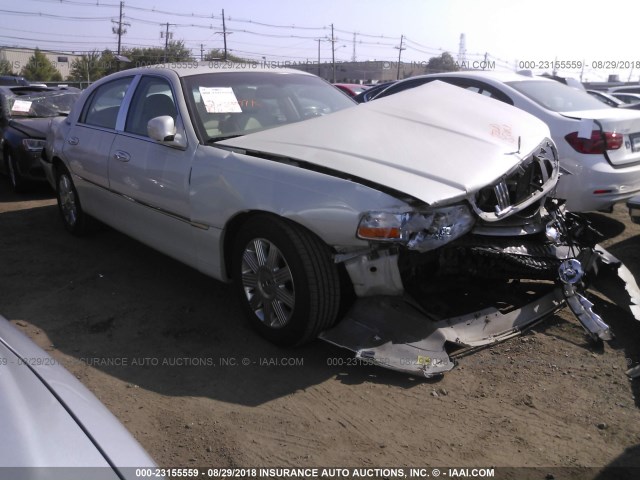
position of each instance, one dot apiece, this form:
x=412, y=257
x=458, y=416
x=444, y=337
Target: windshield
x=556, y=96
x=236, y=103
x=42, y=104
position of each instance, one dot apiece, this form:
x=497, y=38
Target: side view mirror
x=162, y=129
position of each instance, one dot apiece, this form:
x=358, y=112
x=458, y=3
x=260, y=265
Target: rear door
x=89, y=141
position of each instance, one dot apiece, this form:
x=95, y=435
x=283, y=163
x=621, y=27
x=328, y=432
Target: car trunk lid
x=621, y=121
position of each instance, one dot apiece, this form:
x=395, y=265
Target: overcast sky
x=508, y=32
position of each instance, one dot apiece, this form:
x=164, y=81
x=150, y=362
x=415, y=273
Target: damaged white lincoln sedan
x=409, y=230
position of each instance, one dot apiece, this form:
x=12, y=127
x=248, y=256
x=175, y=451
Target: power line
x=372, y=40
x=50, y=15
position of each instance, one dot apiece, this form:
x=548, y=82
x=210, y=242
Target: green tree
x=140, y=57
x=87, y=68
x=443, y=63
x=5, y=67
x=218, y=54
x=94, y=66
x=108, y=62
x=39, y=68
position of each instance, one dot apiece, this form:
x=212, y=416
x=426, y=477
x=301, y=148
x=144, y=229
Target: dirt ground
x=166, y=349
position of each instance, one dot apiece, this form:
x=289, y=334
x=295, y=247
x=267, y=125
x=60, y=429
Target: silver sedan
x=369, y=226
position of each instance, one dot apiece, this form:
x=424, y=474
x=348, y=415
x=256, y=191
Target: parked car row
x=351, y=89
x=25, y=113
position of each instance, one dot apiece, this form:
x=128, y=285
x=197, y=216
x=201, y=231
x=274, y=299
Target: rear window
x=557, y=96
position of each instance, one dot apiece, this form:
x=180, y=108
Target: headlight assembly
x=421, y=231
x=33, y=145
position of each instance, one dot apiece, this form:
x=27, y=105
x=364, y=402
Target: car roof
x=13, y=80
x=499, y=76
x=187, y=69
x=26, y=89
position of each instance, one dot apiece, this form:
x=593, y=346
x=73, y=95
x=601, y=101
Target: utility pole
x=118, y=27
x=201, y=52
x=333, y=54
x=224, y=34
x=319, y=56
x=400, y=49
x=166, y=40
x=353, y=55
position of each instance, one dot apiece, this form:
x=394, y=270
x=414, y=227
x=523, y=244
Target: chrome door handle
x=73, y=140
x=122, y=156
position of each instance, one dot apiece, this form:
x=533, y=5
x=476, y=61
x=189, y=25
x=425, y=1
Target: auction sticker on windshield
x=21, y=106
x=220, y=100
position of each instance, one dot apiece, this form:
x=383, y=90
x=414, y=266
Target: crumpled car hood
x=436, y=142
x=32, y=127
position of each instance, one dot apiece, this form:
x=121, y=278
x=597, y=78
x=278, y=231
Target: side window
x=102, y=108
x=400, y=87
x=484, y=89
x=153, y=98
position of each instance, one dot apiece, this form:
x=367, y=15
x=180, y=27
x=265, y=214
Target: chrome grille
x=525, y=185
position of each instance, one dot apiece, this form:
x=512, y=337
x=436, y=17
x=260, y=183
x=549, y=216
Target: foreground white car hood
x=436, y=142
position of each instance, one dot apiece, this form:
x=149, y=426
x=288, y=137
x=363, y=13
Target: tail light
x=598, y=143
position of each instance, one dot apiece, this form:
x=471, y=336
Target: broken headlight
x=419, y=231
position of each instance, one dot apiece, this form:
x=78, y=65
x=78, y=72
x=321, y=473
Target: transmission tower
x=462, y=50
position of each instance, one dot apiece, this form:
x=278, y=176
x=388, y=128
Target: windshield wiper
x=223, y=137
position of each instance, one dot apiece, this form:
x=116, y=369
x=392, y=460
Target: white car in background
x=628, y=98
x=598, y=146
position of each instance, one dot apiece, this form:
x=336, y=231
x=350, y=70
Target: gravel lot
x=168, y=351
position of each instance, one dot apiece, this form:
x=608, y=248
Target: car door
x=152, y=176
x=89, y=141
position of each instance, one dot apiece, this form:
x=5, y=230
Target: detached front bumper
x=396, y=332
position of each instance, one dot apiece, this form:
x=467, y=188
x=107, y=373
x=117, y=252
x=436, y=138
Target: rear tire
x=286, y=281
x=73, y=217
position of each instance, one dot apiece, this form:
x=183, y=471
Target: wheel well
x=231, y=231
x=235, y=224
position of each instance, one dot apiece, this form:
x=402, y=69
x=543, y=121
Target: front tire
x=287, y=283
x=73, y=217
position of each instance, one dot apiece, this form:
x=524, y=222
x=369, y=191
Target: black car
x=371, y=92
x=25, y=113
x=13, y=80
